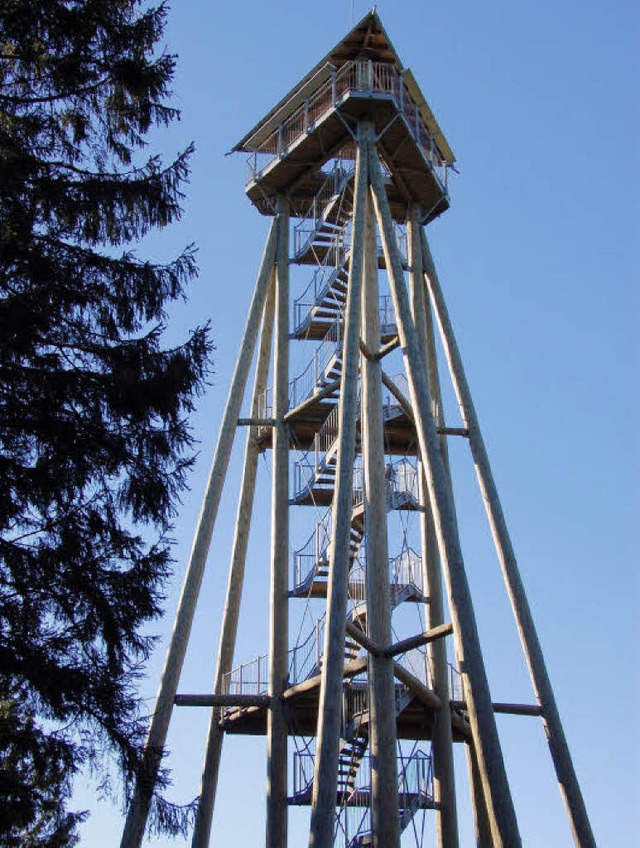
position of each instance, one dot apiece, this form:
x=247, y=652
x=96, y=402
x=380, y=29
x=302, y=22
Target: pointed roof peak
x=368, y=39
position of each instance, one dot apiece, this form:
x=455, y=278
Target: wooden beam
x=444, y=785
x=366, y=351
x=389, y=347
x=362, y=639
x=422, y=693
x=453, y=431
x=256, y=422
x=323, y=799
x=350, y=669
x=277, y=729
x=222, y=700
x=229, y=629
x=148, y=774
x=398, y=395
x=504, y=824
x=507, y=709
x=412, y=642
x=329, y=389
x=380, y=678
x=560, y=754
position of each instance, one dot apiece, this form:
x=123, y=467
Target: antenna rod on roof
x=353, y=2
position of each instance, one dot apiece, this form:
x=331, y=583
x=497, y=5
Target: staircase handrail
x=302, y=386
x=311, y=223
x=304, y=658
x=250, y=678
x=315, y=548
x=321, y=282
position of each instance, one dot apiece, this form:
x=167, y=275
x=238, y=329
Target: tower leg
x=235, y=582
x=148, y=774
x=442, y=740
x=499, y=802
x=480, y=814
x=569, y=786
x=323, y=802
x=382, y=709
x=277, y=730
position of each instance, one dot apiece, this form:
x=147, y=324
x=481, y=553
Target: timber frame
x=350, y=166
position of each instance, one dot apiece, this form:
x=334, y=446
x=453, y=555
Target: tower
x=360, y=724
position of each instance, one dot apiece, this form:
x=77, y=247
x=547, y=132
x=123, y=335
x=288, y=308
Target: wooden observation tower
x=360, y=723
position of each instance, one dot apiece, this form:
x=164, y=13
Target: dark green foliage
x=94, y=445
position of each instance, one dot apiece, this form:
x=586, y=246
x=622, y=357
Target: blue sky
x=538, y=259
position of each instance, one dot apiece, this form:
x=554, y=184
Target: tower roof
x=367, y=40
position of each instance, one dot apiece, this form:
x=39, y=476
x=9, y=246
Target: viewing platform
x=316, y=123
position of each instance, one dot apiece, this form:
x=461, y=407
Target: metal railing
x=456, y=686
x=332, y=192
x=357, y=76
x=402, y=484
x=415, y=791
x=250, y=678
x=416, y=662
x=315, y=374
x=304, y=659
x=314, y=552
x=340, y=172
x=319, y=286
x=406, y=569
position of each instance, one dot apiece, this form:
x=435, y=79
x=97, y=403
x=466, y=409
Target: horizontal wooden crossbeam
x=507, y=709
x=222, y=700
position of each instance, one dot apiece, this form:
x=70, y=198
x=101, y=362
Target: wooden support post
x=484, y=837
x=277, y=731
x=204, y=814
x=323, y=801
x=504, y=825
x=567, y=778
x=444, y=786
x=139, y=809
x=382, y=724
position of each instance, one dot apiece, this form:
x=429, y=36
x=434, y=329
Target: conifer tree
x=94, y=442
